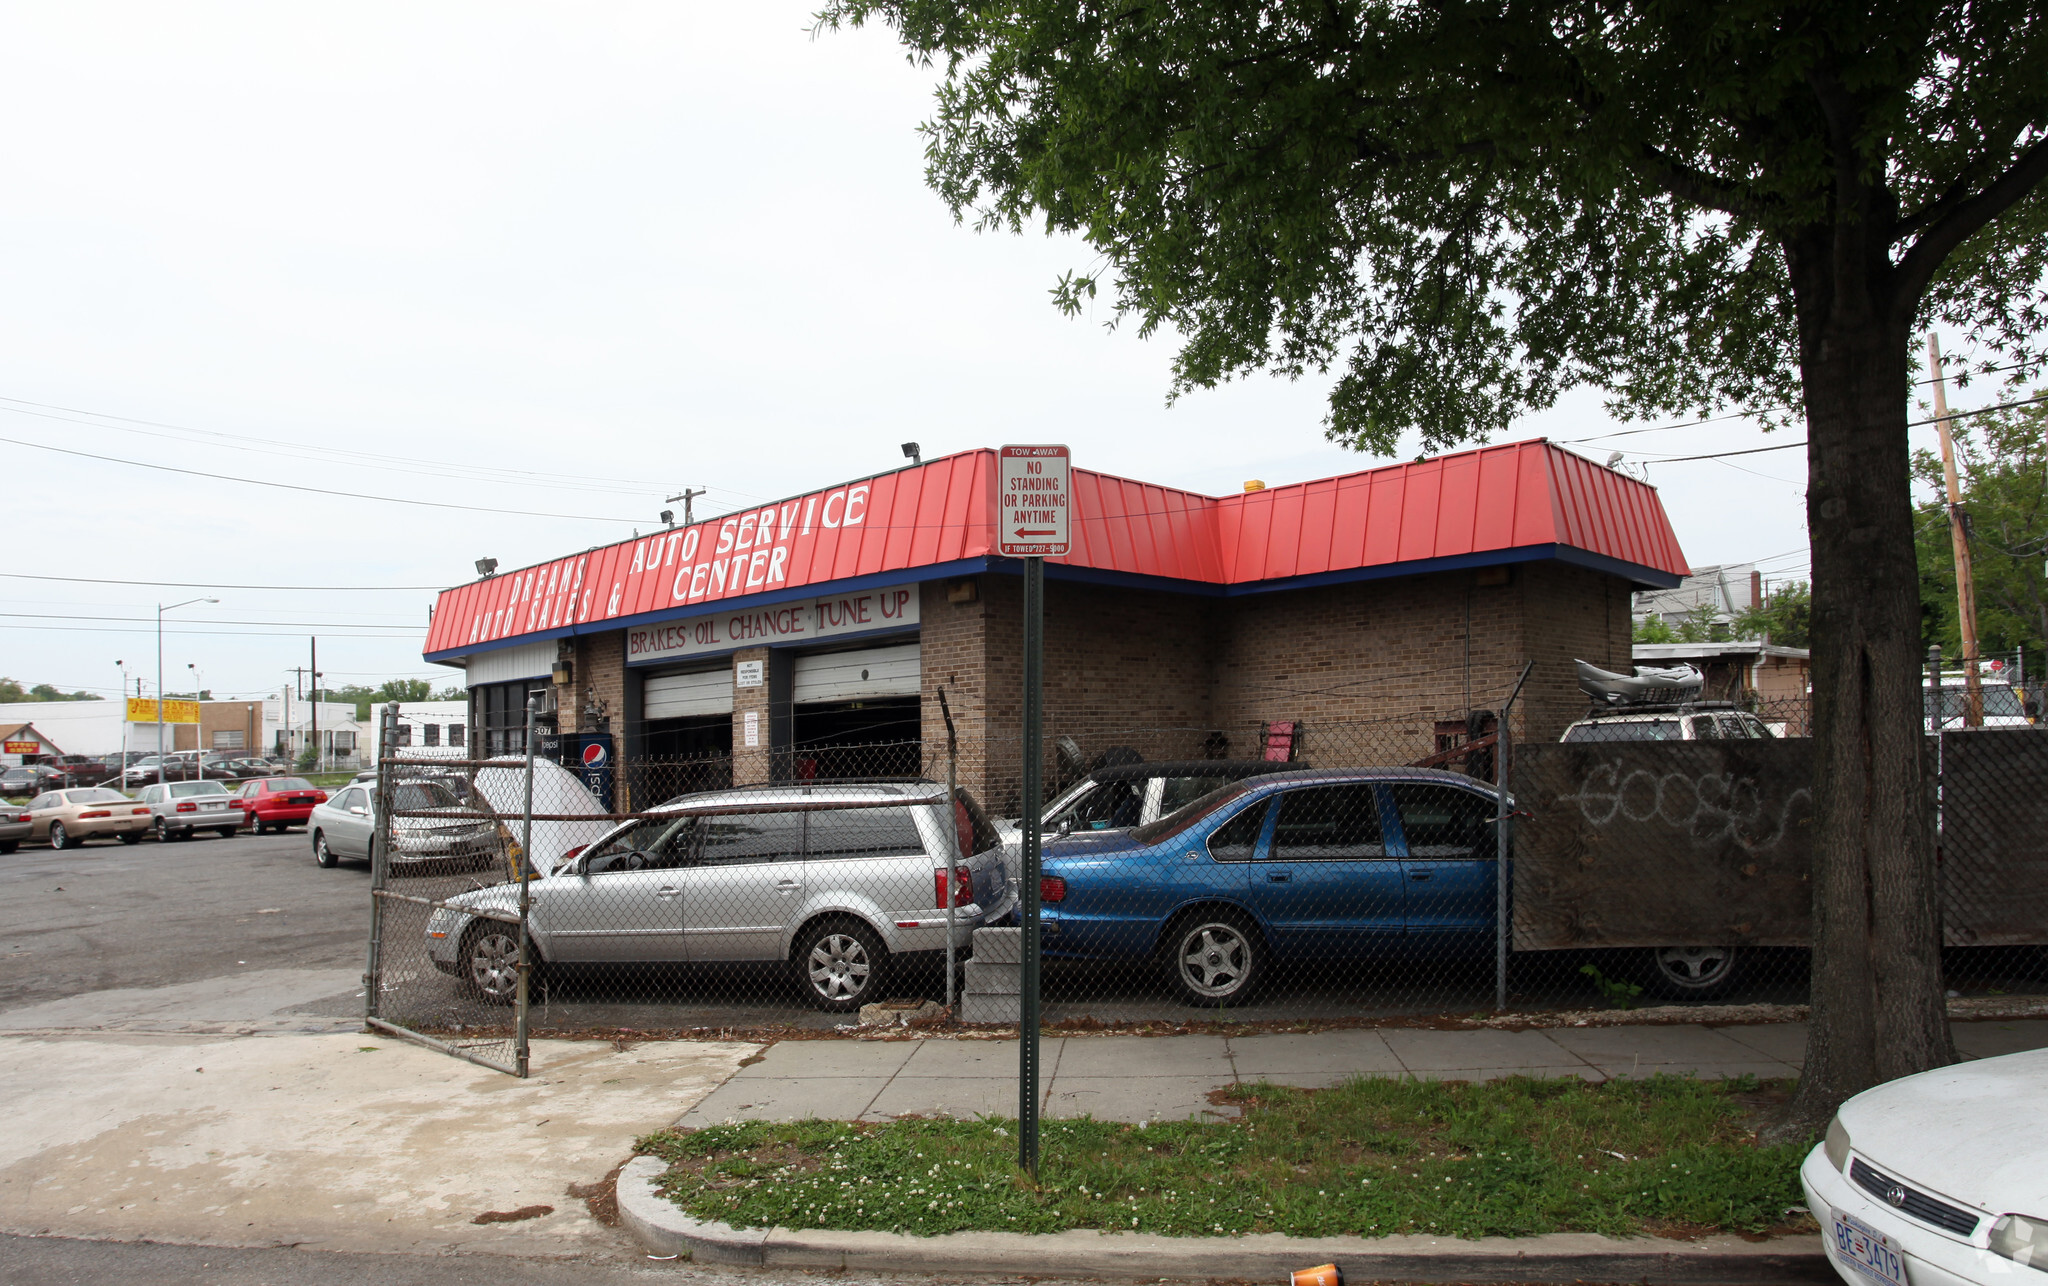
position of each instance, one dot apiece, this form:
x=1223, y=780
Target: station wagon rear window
x=1626, y=730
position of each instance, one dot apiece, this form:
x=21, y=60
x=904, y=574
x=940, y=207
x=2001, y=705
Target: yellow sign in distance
x=143, y=710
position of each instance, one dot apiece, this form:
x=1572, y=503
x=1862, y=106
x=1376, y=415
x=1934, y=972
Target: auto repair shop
x=811, y=637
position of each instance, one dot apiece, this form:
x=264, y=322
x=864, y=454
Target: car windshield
x=414, y=795
x=1174, y=823
x=1625, y=730
x=291, y=783
x=97, y=797
x=187, y=789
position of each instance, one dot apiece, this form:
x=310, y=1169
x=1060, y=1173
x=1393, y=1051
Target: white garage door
x=853, y=676
x=678, y=696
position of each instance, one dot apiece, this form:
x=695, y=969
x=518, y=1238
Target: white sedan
x=1938, y=1178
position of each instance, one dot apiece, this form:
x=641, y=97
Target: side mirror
x=358, y=810
x=1067, y=824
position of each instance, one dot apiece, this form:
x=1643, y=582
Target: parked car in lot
x=68, y=818
x=77, y=770
x=179, y=809
x=16, y=825
x=145, y=770
x=1127, y=795
x=840, y=880
x=278, y=802
x=1673, y=723
x=1924, y=1179
x=23, y=781
x=430, y=825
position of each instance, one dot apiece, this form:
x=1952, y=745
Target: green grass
x=1374, y=1157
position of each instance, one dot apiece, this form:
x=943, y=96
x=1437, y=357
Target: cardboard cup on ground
x=1322, y=1275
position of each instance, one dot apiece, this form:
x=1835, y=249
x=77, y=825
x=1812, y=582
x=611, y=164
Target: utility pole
x=689, y=494
x=1959, y=539
x=314, y=709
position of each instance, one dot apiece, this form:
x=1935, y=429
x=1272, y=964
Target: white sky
x=624, y=248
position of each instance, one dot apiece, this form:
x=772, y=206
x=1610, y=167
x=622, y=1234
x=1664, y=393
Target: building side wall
x=1568, y=613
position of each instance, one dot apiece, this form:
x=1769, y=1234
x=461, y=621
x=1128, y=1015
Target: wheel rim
x=1694, y=967
x=57, y=835
x=1215, y=959
x=320, y=850
x=494, y=963
x=839, y=966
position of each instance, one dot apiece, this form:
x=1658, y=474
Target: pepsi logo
x=594, y=756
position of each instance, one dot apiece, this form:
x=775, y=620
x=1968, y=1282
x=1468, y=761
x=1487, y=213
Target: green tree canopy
x=11, y=690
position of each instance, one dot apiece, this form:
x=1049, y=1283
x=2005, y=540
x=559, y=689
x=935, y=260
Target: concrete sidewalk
x=1140, y=1078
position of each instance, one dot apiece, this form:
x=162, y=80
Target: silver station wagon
x=838, y=879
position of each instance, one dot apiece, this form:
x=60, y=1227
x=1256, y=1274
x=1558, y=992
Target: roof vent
x=1254, y=485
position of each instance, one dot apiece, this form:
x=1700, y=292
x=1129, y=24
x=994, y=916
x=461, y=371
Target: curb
x=664, y=1229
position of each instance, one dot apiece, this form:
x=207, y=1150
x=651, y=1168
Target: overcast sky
x=561, y=259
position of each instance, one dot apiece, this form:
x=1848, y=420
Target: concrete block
x=999, y=946
x=985, y=978
x=991, y=1009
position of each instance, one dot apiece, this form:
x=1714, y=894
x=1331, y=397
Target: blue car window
x=1443, y=821
x=1235, y=839
x=1329, y=823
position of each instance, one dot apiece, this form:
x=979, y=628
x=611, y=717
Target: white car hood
x=555, y=790
x=1967, y=1132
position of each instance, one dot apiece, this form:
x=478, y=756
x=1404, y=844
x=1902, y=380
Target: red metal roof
x=1530, y=497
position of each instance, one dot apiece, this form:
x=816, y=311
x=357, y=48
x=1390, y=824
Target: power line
x=143, y=620
x=270, y=634
x=200, y=584
x=318, y=491
x=1786, y=446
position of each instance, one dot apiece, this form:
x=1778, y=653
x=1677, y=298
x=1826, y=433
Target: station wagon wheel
x=1216, y=957
x=1691, y=973
x=490, y=961
x=841, y=962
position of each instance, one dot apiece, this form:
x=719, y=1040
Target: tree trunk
x=1878, y=1003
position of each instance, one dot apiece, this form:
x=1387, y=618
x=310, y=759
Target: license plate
x=1869, y=1251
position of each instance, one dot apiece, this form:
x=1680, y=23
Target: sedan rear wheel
x=1217, y=959
x=59, y=837
x=490, y=961
x=842, y=962
x=131, y=837
x=321, y=853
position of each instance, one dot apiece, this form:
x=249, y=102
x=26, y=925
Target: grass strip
x=1373, y=1157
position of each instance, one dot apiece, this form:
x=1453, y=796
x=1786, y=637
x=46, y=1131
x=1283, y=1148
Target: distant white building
x=428, y=729
x=1721, y=593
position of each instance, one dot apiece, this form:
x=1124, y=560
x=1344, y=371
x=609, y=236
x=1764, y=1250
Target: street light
x=199, y=738
x=160, y=610
x=122, y=666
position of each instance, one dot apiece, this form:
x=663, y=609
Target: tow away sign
x=1034, y=490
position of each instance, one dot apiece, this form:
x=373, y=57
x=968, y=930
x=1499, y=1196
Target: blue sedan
x=1333, y=864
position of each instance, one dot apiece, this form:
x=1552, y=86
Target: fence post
x=952, y=845
x=1503, y=744
x=520, y=1046
x=1027, y=1027
x=380, y=861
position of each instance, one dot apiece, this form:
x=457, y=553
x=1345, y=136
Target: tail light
x=139, y=812
x=1051, y=888
x=963, y=886
x=97, y=812
x=188, y=808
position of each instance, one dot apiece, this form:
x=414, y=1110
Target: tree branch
x=1917, y=268
x=1689, y=184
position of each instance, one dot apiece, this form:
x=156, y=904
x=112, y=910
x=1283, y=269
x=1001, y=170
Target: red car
x=277, y=801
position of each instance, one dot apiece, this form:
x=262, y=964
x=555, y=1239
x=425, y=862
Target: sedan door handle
x=667, y=891
x=1279, y=877
x=1418, y=875
x=789, y=886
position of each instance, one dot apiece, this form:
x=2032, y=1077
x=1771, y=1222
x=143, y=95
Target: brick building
x=814, y=636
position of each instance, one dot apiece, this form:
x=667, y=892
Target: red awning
x=1493, y=504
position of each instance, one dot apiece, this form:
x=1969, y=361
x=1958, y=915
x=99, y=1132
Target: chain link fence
x=1280, y=872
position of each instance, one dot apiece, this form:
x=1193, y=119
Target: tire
x=131, y=837
x=1690, y=973
x=8, y=846
x=60, y=838
x=490, y=961
x=1216, y=958
x=840, y=964
x=323, y=855
x=161, y=831
x=226, y=832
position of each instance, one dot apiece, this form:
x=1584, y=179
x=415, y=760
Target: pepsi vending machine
x=589, y=756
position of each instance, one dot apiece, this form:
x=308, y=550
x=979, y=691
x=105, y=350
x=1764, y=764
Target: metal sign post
x=1503, y=749
x=1033, y=494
